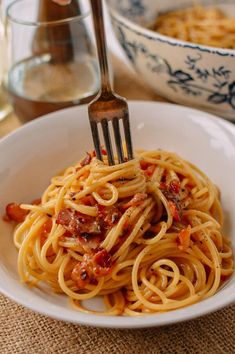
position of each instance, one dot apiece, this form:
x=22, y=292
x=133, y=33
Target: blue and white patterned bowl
x=183, y=72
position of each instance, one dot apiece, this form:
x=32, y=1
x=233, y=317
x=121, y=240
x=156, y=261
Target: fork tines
x=113, y=110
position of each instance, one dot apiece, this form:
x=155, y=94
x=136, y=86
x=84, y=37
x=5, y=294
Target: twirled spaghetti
x=145, y=234
x=198, y=24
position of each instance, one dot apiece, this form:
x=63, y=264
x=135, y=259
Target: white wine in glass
x=52, y=63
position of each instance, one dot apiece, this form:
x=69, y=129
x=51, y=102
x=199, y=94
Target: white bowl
x=183, y=72
x=30, y=156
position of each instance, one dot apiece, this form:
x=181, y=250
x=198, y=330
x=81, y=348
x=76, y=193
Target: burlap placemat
x=24, y=332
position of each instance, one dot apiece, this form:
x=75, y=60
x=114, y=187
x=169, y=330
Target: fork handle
x=98, y=20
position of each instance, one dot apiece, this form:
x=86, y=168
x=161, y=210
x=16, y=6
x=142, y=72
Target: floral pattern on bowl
x=182, y=72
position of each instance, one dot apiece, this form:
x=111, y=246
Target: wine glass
x=52, y=61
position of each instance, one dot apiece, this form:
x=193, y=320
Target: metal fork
x=107, y=106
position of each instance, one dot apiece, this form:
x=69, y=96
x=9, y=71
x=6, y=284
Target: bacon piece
x=138, y=199
x=92, y=267
x=67, y=233
x=108, y=216
x=174, y=186
x=103, y=258
x=89, y=242
x=102, y=262
x=80, y=275
x=184, y=238
x=175, y=211
x=86, y=160
x=64, y=217
x=144, y=165
x=147, y=167
x=150, y=170
x=103, y=152
x=36, y=201
x=78, y=223
x=170, y=190
x=15, y=213
x=89, y=200
x=44, y=231
x=46, y=228
x=177, y=226
x=163, y=186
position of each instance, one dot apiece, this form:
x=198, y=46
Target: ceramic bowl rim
x=151, y=35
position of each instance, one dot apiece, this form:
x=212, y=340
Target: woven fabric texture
x=24, y=332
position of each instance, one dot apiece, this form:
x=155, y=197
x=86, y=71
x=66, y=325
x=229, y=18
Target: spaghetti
x=146, y=235
x=206, y=26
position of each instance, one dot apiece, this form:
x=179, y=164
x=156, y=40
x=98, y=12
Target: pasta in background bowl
x=38, y=151
x=184, y=72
